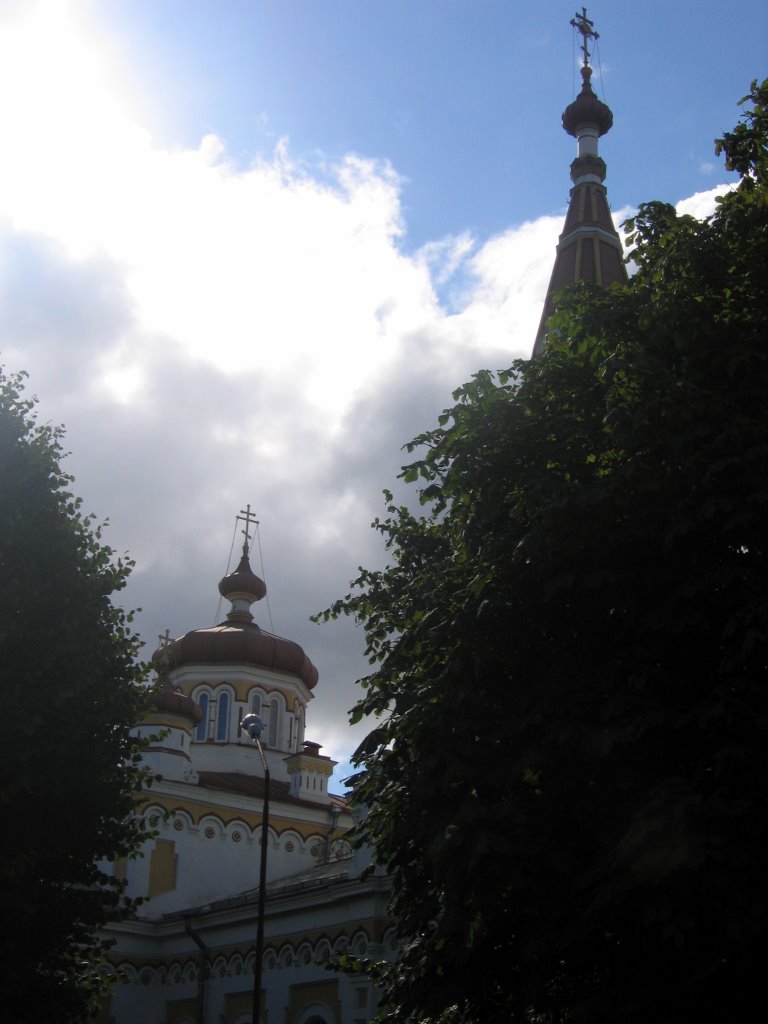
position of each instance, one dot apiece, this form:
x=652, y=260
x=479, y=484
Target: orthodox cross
x=163, y=659
x=247, y=517
x=586, y=30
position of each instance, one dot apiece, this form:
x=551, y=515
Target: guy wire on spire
x=245, y=515
x=248, y=517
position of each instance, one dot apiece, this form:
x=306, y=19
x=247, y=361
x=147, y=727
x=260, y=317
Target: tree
x=568, y=773
x=71, y=690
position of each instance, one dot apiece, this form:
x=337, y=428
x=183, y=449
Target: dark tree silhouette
x=568, y=775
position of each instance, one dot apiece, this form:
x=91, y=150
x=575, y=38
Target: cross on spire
x=247, y=517
x=162, y=655
x=586, y=30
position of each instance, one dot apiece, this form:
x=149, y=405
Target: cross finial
x=586, y=30
x=247, y=517
x=162, y=656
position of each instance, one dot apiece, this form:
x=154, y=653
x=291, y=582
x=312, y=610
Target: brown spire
x=589, y=248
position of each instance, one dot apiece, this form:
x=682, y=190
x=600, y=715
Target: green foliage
x=70, y=691
x=568, y=774
x=746, y=147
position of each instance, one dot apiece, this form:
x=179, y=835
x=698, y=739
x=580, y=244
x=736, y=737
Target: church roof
x=253, y=786
x=239, y=643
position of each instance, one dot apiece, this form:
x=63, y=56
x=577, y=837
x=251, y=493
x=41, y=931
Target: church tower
x=589, y=248
x=210, y=780
x=235, y=668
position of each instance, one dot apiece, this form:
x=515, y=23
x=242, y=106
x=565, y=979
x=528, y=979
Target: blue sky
x=453, y=93
x=247, y=250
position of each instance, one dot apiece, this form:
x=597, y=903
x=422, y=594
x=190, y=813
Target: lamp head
x=253, y=725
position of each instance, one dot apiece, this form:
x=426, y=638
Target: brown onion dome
x=240, y=643
x=176, y=703
x=243, y=581
x=587, y=109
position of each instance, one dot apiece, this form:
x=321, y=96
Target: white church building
x=187, y=957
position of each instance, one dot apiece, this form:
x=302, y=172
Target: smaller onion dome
x=587, y=109
x=242, y=587
x=177, y=703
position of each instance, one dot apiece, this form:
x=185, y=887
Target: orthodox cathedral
x=250, y=850
x=188, y=954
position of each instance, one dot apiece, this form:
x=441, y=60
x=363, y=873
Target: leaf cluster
x=71, y=690
x=568, y=771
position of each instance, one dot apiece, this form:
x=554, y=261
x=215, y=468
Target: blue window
x=273, y=725
x=222, y=719
x=201, y=732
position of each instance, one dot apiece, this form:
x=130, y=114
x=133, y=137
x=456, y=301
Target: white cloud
x=445, y=256
x=212, y=335
x=508, y=279
x=702, y=204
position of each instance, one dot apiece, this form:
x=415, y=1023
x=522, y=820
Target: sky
x=248, y=250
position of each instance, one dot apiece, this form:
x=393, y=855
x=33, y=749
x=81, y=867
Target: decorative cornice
x=588, y=165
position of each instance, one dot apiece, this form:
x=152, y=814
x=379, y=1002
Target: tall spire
x=589, y=248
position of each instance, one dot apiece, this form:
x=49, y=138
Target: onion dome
x=587, y=109
x=242, y=644
x=238, y=640
x=177, y=703
x=242, y=587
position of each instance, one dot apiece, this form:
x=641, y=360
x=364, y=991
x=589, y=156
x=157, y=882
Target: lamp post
x=254, y=726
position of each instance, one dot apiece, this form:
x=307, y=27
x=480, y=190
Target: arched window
x=256, y=704
x=273, y=726
x=201, y=732
x=222, y=718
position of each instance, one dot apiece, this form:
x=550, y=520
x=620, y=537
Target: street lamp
x=254, y=726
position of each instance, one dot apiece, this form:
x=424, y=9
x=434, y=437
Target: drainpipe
x=202, y=971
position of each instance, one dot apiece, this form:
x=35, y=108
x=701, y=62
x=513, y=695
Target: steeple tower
x=589, y=248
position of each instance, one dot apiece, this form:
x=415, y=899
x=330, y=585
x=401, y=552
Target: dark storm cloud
x=56, y=314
